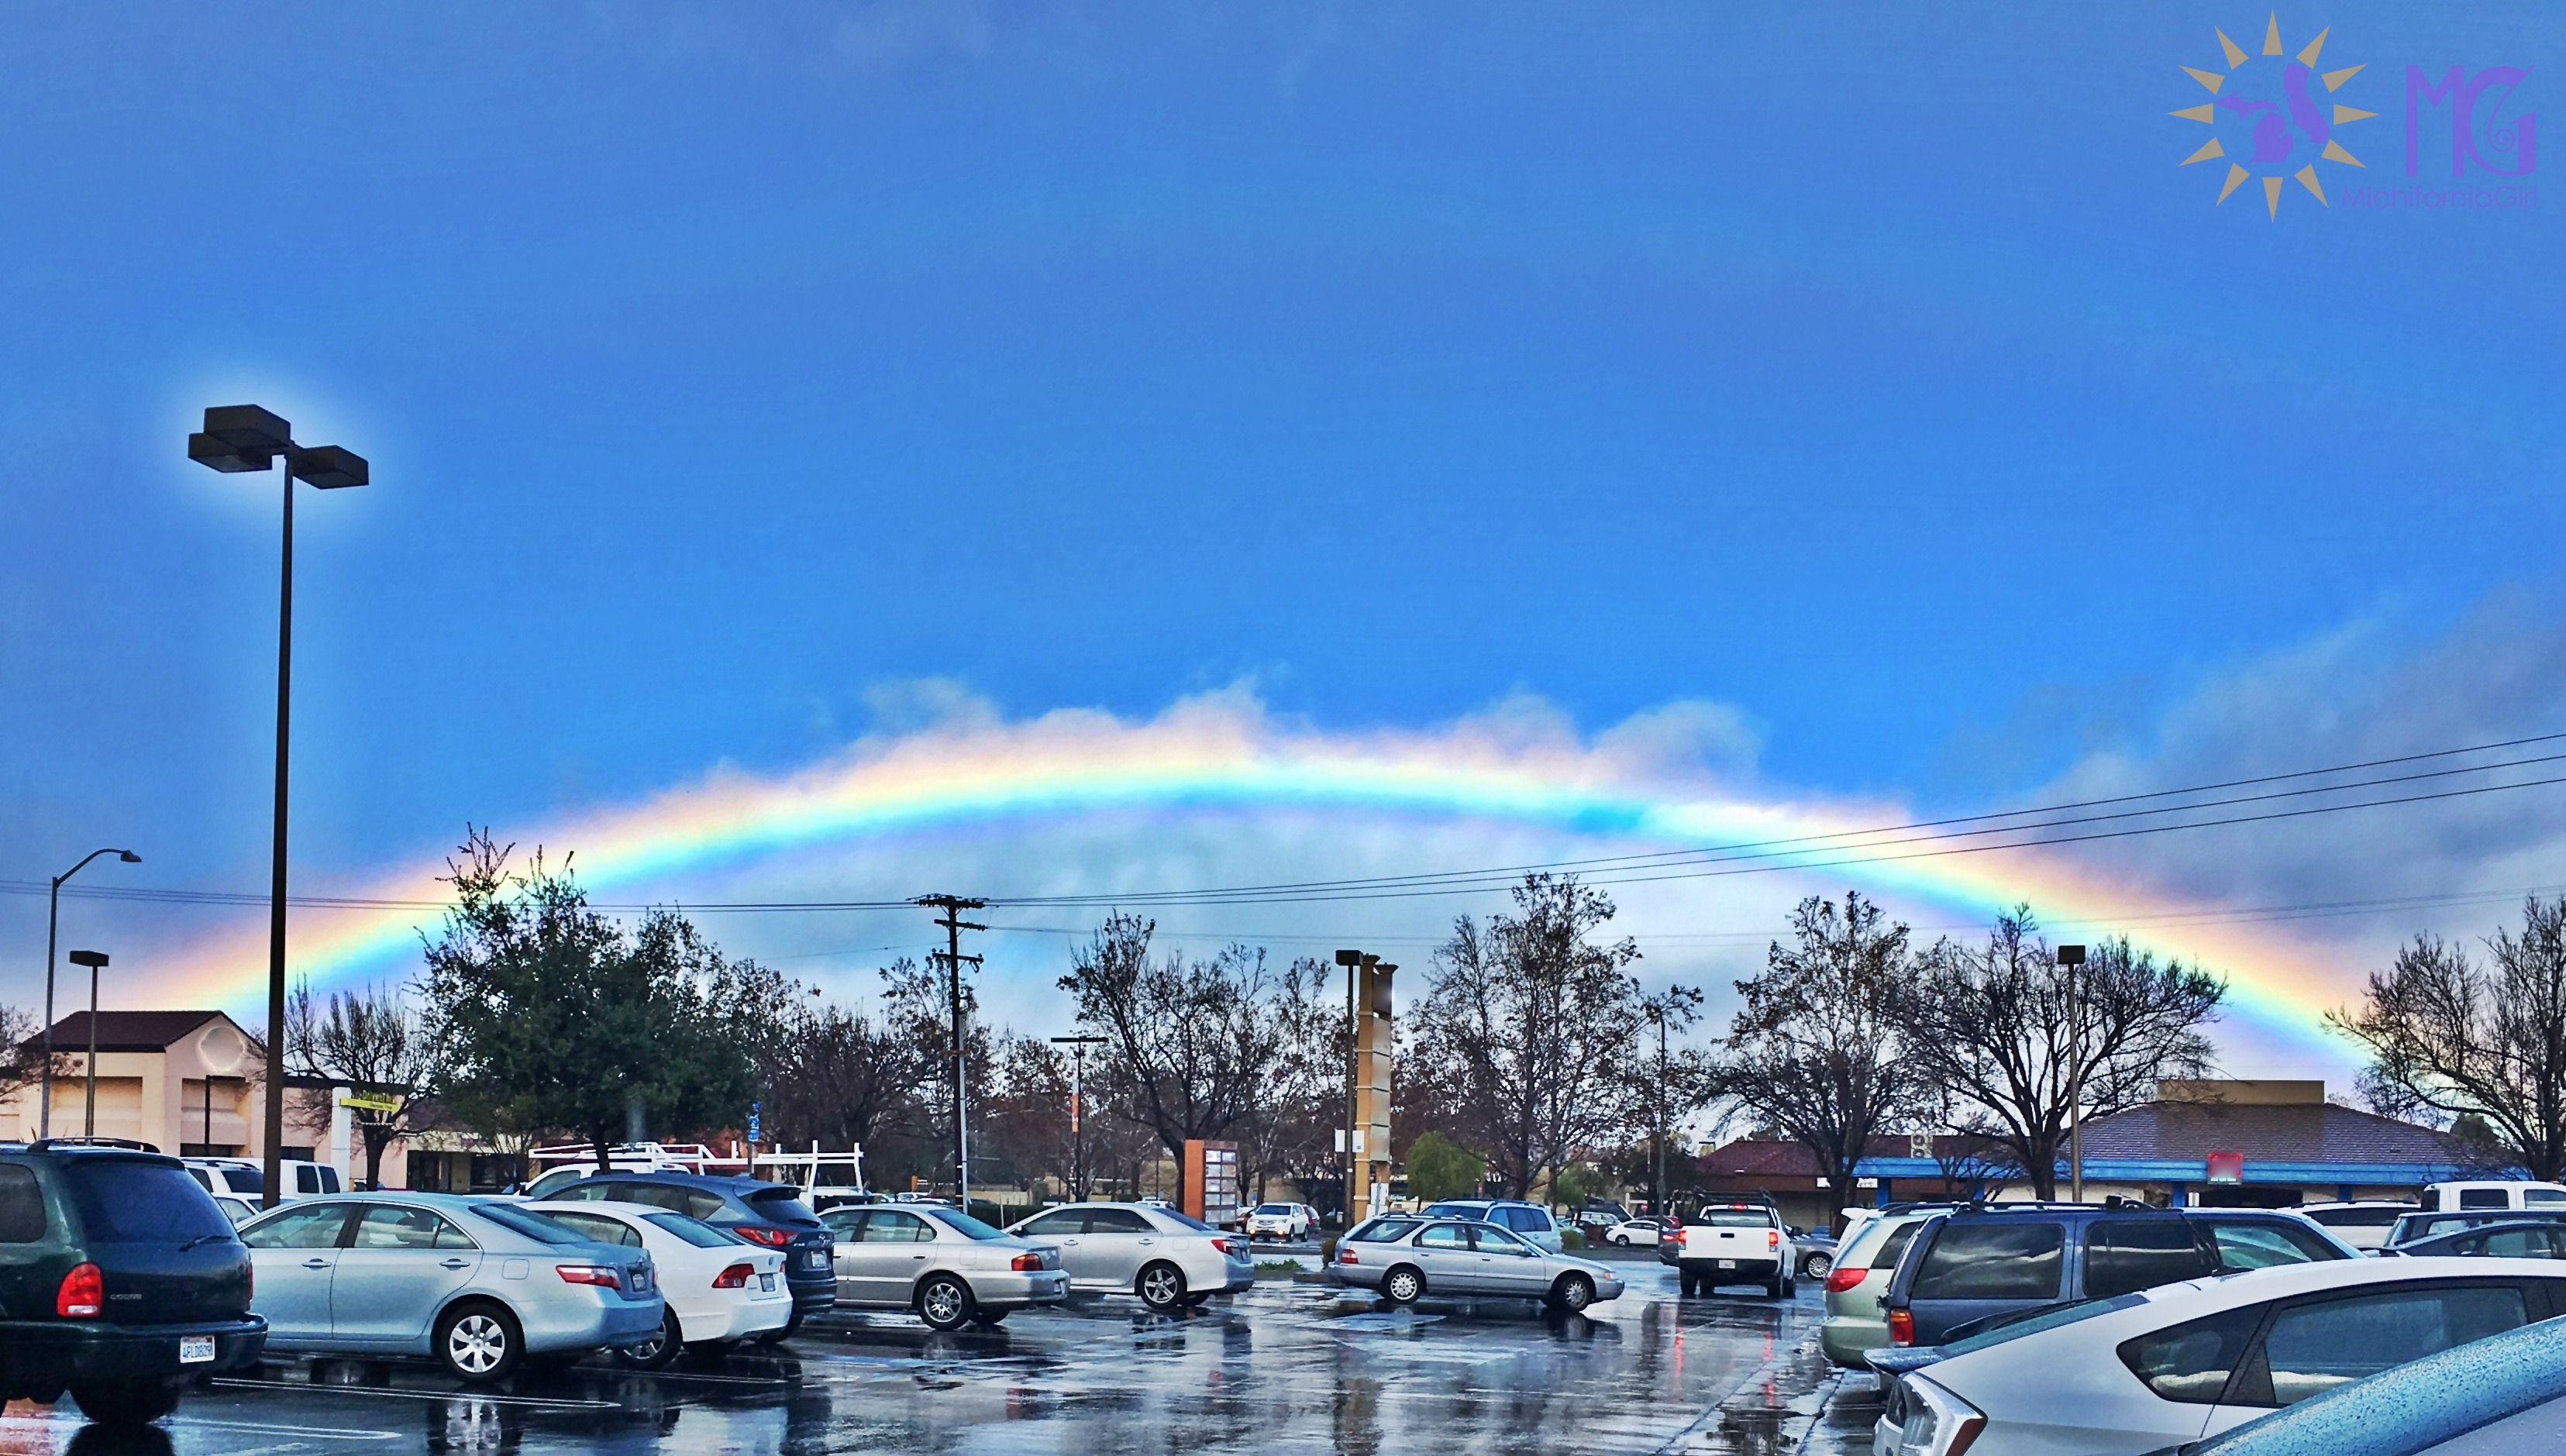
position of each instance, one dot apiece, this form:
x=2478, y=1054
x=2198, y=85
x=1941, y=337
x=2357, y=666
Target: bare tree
x=22, y=1054
x=1992, y=1027
x=1528, y=1027
x=1194, y=1040
x=372, y=1042
x=2445, y=1035
x=1819, y=1049
x=1290, y=1130
x=843, y=1078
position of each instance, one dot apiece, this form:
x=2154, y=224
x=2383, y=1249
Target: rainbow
x=1223, y=756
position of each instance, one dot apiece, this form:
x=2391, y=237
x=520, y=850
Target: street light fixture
x=96, y=960
x=238, y=438
x=53, y=918
x=2070, y=957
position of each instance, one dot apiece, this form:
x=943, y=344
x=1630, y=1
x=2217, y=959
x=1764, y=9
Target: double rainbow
x=1214, y=756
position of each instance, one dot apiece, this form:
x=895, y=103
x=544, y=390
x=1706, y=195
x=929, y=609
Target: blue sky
x=1876, y=373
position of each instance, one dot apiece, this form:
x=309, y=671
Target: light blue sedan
x=477, y=1285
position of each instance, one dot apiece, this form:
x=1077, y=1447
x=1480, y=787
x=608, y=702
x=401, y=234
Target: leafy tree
x=1195, y=1041
x=1993, y=1028
x=371, y=1040
x=842, y=1079
x=548, y=1014
x=1440, y=1168
x=2459, y=1039
x=1818, y=1049
x=1528, y=1026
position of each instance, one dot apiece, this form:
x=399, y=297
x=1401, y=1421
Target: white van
x=241, y=1175
x=2492, y=1194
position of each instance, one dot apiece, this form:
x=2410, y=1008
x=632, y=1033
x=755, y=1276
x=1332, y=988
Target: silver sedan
x=476, y=1283
x=1169, y=1260
x=948, y=1267
x=1405, y=1259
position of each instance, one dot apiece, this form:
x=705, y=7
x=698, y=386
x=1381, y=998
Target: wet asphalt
x=1285, y=1367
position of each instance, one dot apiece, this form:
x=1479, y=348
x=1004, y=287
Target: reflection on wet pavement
x=1284, y=1365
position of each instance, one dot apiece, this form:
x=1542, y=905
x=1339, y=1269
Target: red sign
x=2227, y=1167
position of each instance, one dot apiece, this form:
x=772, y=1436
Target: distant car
x=477, y=1285
x=238, y=1209
x=1287, y=1221
x=1531, y=1220
x=946, y=1267
x=2362, y=1224
x=1596, y=1220
x=2174, y=1363
x=121, y=1281
x=1813, y=1251
x=2492, y=1194
x=248, y=1178
x=769, y=1215
x=1403, y=1259
x=1166, y=1258
x=2514, y=1239
x=1636, y=1232
x=717, y=1287
x=2495, y=1396
x=2411, y=1228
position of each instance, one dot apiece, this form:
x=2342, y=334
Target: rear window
x=964, y=1223
x=2012, y=1260
x=2355, y=1218
x=128, y=1201
x=2541, y=1198
x=695, y=1231
x=1383, y=1230
x=2484, y=1198
x=1732, y=1218
x=531, y=1224
x=1894, y=1248
x=1188, y=1220
x=784, y=1205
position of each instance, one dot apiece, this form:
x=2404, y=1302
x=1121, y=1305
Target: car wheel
x=1162, y=1287
x=1687, y=1283
x=1816, y=1266
x=989, y=1319
x=944, y=1303
x=478, y=1341
x=660, y=1349
x=129, y=1402
x=1573, y=1293
x=1402, y=1286
x=1773, y=1287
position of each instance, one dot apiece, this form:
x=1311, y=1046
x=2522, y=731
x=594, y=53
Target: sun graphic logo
x=2268, y=120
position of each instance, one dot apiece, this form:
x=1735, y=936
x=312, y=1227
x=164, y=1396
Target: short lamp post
x=96, y=960
x=2070, y=958
x=53, y=921
x=237, y=438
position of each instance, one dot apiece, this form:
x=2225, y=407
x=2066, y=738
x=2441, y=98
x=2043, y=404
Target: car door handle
x=455, y=1263
x=316, y=1262
x=1145, y=1243
x=917, y=1256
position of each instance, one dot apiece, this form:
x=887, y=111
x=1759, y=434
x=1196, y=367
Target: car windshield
x=783, y=1205
x=1277, y=1209
x=2082, y=1309
x=693, y=1230
x=129, y=1200
x=964, y=1223
x=528, y=1224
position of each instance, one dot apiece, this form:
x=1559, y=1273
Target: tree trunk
x=379, y=1136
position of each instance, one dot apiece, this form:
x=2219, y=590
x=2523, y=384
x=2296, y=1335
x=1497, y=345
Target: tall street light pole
x=237, y=438
x=2070, y=958
x=1658, y=1189
x=96, y=960
x=1078, y=1108
x=52, y=919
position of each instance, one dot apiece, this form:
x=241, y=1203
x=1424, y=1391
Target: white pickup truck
x=1734, y=1242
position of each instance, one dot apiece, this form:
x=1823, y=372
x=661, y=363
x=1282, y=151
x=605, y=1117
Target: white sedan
x=717, y=1287
x=1286, y=1221
x=2176, y=1364
x=1639, y=1232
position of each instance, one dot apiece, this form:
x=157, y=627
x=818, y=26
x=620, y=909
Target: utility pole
x=2071, y=958
x=1657, y=1188
x=953, y=956
x=1078, y=1110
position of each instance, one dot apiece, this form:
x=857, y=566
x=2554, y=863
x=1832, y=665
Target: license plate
x=640, y=1280
x=815, y=1260
x=195, y=1349
x=766, y=1282
x=1728, y=1264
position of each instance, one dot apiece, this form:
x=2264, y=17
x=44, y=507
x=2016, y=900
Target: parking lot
x=1285, y=1365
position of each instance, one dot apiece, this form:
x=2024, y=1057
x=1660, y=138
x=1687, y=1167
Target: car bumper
x=1355, y=1276
x=739, y=1319
x=813, y=1292
x=1010, y=1290
x=1745, y=1271
x=1845, y=1337
x=606, y=1322
x=44, y=1355
x=1237, y=1274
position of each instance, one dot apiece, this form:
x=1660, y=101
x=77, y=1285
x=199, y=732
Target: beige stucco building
x=186, y=1083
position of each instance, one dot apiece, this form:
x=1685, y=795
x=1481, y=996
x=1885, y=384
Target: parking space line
x=565, y=1403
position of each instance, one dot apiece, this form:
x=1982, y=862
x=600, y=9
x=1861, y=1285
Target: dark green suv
x=120, y=1281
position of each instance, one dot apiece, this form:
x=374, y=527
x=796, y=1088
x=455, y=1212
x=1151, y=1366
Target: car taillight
x=1026, y=1262
x=82, y=1294
x=1772, y=1238
x=1347, y=1256
x=760, y=1234
x=1902, y=1328
x=735, y=1277
x=1840, y=1279
x=1224, y=1246
x=596, y=1274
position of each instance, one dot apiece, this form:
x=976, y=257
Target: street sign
x=371, y=1102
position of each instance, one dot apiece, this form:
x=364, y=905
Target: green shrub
x=1440, y=1168
x=1571, y=1239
